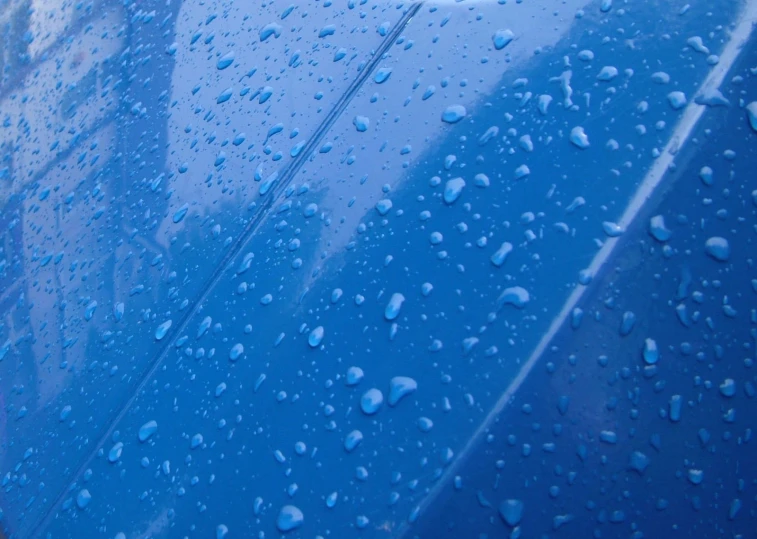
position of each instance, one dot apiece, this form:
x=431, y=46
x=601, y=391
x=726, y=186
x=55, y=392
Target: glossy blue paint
x=373, y=268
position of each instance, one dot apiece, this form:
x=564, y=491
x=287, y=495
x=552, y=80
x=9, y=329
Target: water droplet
x=452, y=190
x=354, y=376
x=627, y=323
x=613, y=230
x=162, y=329
x=638, y=462
x=147, y=430
x=65, y=412
x=499, y=257
x=425, y=424
x=225, y=61
x=83, y=498
x=236, y=351
x=453, y=114
x=516, y=296
x=677, y=100
x=382, y=75
x=674, y=408
x=718, y=248
x=196, y=441
x=728, y=387
x=315, y=337
x=115, y=452
x=660, y=77
x=695, y=476
x=383, y=206
x=651, y=354
x=89, y=312
x=511, y=512
x=658, y=230
x=223, y=97
x=502, y=38
x=361, y=123
x=399, y=387
x=521, y=172
x=352, y=440
x=751, y=112
x=481, y=180
x=607, y=73
x=327, y=30
x=204, y=326
x=706, y=175
x=270, y=29
x=290, y=518
x=180, y=213
x=118, y=310
x=579, y=138
x=392, y=310
x=371, y=401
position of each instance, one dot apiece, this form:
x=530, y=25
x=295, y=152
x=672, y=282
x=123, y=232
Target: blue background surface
x=228, y=168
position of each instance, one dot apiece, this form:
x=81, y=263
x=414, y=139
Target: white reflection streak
x=691, y=116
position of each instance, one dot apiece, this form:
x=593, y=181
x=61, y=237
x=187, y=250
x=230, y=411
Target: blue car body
x=369, y=268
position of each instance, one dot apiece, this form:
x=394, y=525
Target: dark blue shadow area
x=643, y=429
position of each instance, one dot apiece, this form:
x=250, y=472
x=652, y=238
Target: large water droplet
x=511, y=512
x=502, y=38
x=452, y=189
x=383, y=206
x=315, y=337
x=361, y=123
x=290, y=518
x=83, y=498
x=352, y=440
x=453, y=114
x=399, y=387
x=236, y=351
x=147, y=430
x=162, y=329
x=516, y=296
x=677, y=100
x=225, y=61
x=579, y=138
x=270, y=29
x=371, y=401
x=180, y=213
x=115, y=452
x=354, y=376
x=392, y=310
x=382, y=75
x=718, y=248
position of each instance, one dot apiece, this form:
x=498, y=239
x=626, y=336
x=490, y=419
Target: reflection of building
x=69, y=85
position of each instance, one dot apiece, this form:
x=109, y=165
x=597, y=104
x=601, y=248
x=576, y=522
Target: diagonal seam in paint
x=285, y=178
